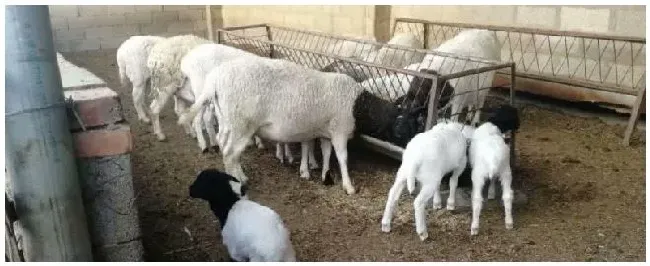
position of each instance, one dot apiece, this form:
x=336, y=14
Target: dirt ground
x=586, y=197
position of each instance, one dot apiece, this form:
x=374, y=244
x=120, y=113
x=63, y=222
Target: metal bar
x=474, y=71
x=572, y=82
x=208, y=21
x=634, y=117
x=39, y=151
x=337, y=57
x=398, y=47
x=425, y=32
x=268, y=35
x=527, y=30
x=434, y=96
x=261, y=25
x=386, y=148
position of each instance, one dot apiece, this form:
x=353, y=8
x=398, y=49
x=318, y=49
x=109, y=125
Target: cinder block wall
x=341, y=20
x=84, y=27
x=612, y=20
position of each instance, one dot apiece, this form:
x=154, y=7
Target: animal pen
x=610, y=68
x=320, y=51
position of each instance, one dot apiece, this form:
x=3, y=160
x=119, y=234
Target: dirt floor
x=586, y=197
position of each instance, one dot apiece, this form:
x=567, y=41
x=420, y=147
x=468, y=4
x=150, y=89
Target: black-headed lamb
x=250, y=231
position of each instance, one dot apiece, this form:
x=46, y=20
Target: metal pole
x=39, y=149
x=208, y=21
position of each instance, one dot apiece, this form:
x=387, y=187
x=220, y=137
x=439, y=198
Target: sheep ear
x=236, y=187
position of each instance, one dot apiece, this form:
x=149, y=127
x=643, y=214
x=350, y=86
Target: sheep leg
x=304, y=158
x=288, y=154
x=491, y=189
x=326, y=151
x=179, y=108
x=232, y=155
x=138, y=101
x=156, y=106
x=279, y=153
x=419, y=206
x=197, y=124
x=393, y=197
x=258, y=142
x=340, y=148
x=209, y=122
x=477, y=201
x=506, y=180
x=313, y=164
x=453, y=184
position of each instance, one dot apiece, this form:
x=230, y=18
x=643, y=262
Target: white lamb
x=250, y=231
x=427, y=158
x=195, y=65
x=474, y=43
x=489, y=156
x=166, y=77
x=259, y=96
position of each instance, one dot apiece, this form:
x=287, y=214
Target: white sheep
x=250, y=231
x=473, y=43
x=489, y=156
x=259, y=96
x=132, y=66
x=427, y=158
x=166, y=77
x=195, y=65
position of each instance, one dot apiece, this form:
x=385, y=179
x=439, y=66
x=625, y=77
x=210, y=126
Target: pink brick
x=96, y=107
x=103, y=142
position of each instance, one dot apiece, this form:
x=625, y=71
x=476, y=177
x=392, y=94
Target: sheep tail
x=122, y=72
x=407, y=171
x=187, y=116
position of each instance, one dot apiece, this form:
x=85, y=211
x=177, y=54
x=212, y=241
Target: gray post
x=39, y=149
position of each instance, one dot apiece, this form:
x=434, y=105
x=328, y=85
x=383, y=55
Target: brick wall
x=84, y=27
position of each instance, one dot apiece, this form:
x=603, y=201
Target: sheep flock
x=241, y=99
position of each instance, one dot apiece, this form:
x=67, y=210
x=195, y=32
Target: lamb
x=427, y=158
x=489, y=156
x=474, y=43
x=195, y=65
x=166, y=77
x=250, y=231
x=259, y=96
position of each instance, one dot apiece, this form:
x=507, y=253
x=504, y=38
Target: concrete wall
x=83, y=27
x=342, y=20
x=612, y=20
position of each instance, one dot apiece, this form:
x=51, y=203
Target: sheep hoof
x=161, y=137
x=450, y=207
x=350, y=190
x=145, y=120
x=205, y=150
x=328, y=179
x=437, y=206
x=385, y=227
x=509, y=226
x=474, y=231
x=304, y=174
x=423, y=236
x=313, y=166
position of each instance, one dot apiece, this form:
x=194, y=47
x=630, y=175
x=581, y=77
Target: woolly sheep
x=474, y=43
x=427, y=158
x=259, y=96
x=166, y=77
x=132, y=66
x=195, y=65
x=489, y=156
x=250, y=231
